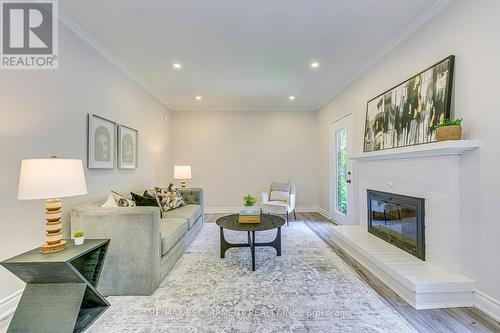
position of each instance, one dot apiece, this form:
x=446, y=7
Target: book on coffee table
x=249, y=216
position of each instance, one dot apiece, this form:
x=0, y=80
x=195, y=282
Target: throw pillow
x=169, y=198
x=122, y=201
x=280, y=191
x=145, y=199
x=110, y=202
x=279, y=196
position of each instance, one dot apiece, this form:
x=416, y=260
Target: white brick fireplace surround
x=431, y=172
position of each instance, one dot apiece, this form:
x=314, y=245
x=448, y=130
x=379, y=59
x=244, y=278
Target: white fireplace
x=432, y=172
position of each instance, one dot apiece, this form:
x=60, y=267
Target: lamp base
x=183, y=183
x=51, y=248
x=53, y=227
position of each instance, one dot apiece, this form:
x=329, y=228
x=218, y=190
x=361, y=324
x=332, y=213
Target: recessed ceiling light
x=198, y=98
x=176, y=65
x=292, y=98
x=314, y=64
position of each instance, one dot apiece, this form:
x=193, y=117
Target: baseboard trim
x=221, y=210
x=8, y=304
x=307, y=209
x=324, y=212
x=487, y=304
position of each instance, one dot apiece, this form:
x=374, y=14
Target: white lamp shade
x=182, y=172
x=51, y=178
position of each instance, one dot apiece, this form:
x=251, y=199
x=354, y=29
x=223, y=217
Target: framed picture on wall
x=128, y=140
x=101, y=143
x=407, y=114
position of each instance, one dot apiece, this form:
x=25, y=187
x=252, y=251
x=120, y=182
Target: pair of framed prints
x=107, y=140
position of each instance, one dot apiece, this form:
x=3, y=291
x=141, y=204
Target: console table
x=61, y=288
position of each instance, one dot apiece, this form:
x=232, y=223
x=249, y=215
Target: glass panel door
x=341, y=171
x=341, y=166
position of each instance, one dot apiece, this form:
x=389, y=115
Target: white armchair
x=280, y=199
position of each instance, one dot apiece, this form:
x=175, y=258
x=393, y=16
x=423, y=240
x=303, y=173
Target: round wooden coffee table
x=268, y=222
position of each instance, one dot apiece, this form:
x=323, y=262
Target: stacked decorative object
x=249, y=216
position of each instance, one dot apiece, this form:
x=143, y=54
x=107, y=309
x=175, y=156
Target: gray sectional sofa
x=144, y=246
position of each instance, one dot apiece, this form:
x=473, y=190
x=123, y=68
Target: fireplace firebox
x=399, y=220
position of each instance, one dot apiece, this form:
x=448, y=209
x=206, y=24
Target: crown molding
x=108, y=55
x=404, y=34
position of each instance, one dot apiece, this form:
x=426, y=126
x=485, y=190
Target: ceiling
x=246, y=54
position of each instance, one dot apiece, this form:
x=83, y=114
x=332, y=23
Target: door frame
x=349, y=218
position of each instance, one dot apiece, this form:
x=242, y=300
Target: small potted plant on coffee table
x=79, y=237
x=250, y=214
x=249, y=201
x=449, y=130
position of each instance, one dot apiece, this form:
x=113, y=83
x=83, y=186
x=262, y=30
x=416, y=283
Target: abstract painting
x=406, y=114
x=101, y=143
x=127, y=147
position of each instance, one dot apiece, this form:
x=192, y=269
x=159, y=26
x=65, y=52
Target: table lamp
x=182, y=172
x=51, y=179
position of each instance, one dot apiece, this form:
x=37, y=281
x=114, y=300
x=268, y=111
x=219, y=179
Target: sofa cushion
x=171, y=230
x=190, y=212
x=276, y=203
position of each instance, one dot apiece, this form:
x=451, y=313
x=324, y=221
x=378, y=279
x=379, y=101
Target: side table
x=61, y=288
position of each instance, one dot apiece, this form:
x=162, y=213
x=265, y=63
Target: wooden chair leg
x=294, y=215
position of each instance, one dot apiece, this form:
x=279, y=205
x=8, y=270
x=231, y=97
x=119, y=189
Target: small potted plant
x=249, y=200
x=449, y=130
x=79, y=237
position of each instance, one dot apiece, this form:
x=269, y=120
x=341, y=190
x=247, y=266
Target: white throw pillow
x=279, y=196
x=110, y=202
x=119, y=201
x=122, y=201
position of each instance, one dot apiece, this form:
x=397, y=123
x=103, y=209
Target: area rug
x=308, y=289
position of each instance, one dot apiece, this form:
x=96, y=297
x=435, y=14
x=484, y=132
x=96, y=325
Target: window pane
x=341, y=153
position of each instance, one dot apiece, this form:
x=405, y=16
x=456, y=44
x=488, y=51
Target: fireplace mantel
x=444, y=148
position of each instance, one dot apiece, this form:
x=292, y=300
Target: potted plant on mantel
x=449, y=130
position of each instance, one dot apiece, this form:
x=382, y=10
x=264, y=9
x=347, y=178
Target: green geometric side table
x=61, y=292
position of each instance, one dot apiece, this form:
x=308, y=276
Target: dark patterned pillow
x=145, y=199
x=122, y=201
x=169, y=198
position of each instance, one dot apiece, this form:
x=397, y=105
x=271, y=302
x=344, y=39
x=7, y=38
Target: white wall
x=45, y=113
x=233, y=153
x=470, y=30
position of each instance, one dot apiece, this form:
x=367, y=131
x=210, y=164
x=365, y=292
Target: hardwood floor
x=459, y=320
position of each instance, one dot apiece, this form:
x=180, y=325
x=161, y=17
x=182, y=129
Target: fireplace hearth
x=399, y=220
